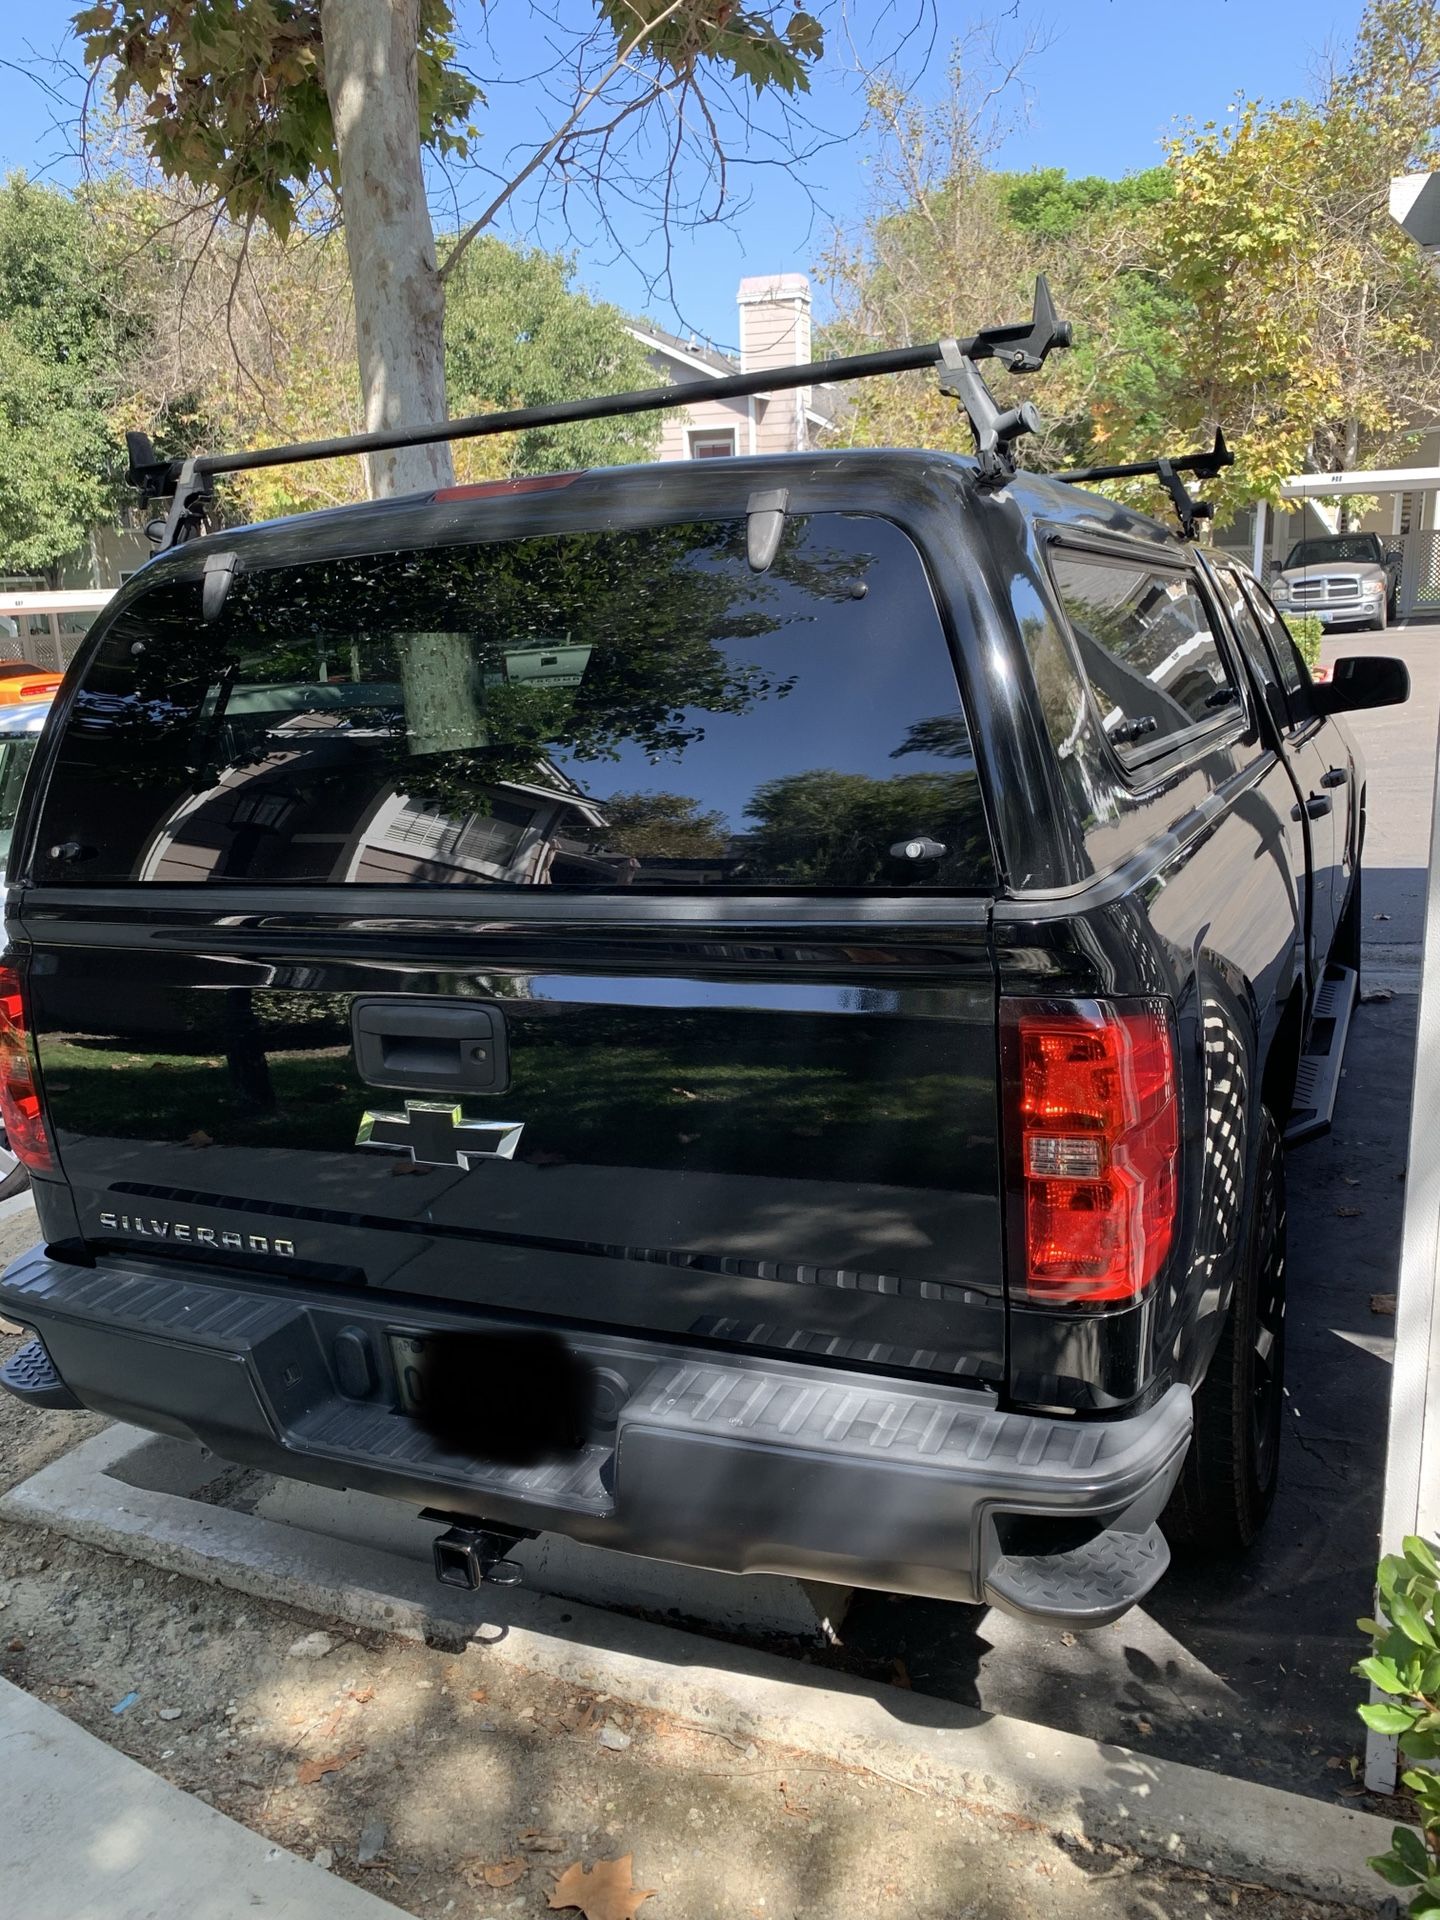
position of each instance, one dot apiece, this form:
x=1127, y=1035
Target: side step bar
x=1317, y=1082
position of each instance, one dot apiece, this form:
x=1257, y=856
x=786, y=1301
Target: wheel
x=1227, y=1485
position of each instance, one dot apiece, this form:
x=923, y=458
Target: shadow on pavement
x=1243, y=1665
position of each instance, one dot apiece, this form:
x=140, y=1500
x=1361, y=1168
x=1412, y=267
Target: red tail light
x=20, y=1113
x=1093, y=1142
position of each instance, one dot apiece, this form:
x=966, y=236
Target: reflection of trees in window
x=944, y=735
x=832, y=829
x=667, y=826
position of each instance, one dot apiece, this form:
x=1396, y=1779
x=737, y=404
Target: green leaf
x=1391, y=1869
x=1373, y=1627
x=1407, y=1845
x=1388, y=1719
x=1420, y=1556
x=1382, y=1674
x=1425, y=1906
x=1409, y=1620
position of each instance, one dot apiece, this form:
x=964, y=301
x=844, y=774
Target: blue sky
x=1114, y=79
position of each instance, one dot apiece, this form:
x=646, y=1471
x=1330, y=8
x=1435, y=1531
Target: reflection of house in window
x=314, y=796
x=510, y=837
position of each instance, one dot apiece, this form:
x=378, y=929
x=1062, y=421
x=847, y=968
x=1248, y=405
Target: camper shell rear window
x=613, y=709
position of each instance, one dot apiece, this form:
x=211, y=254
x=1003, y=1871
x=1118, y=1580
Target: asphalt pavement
x=1246, y=1666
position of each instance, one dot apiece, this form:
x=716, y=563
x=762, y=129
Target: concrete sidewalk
x=90, y=1835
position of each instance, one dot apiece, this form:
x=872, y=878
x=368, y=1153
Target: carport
x=1417, y=545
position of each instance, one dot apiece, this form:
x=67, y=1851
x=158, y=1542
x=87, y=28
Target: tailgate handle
x=430, y=1046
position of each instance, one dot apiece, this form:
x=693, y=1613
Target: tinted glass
x=1293, y=674
x=589, y=710
x=16, y=753
x=1252, y=641
x=1147, y=650
x=1364, y=547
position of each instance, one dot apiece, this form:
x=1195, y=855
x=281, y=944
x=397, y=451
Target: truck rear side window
x=1147, y=649
x=588, y=710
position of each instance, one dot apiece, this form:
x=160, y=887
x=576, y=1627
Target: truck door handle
x=430, y=1046
x=1334, y=777
x=1315, y=806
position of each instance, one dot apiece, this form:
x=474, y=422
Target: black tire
x=1227, y=1485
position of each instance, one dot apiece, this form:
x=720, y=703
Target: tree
x=58, y=348
x=949, y=244
x=1305, y=323
x=256, y=104
x=248, y=339
x=1256, y=283
x=517, y=334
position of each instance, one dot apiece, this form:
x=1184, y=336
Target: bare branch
x=557, y=139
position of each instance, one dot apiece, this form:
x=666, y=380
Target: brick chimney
x=775, y=332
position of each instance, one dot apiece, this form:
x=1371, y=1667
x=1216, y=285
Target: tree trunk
x=370, y=80
x=1352, y=461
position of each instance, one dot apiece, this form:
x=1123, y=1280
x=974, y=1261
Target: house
x=774, y=330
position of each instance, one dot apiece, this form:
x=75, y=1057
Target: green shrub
x=1308, y=632
x=1405, y=1667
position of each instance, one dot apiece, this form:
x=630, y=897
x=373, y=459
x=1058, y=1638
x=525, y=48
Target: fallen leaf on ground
x=495, y=1873
x=331, y=1726
x=1067, y=1639
x=533, y=1841
x=1382, y=1303
x=899, y=1673
x=313, y=1770
x=1349, y=1213
x=363, y=1694
x=1143, y=1726
x=604, y=1892
x=198, y=1139
x=1350, y=1179
x=1373, y=994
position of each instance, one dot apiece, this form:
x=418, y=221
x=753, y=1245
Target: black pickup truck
x=790, y=976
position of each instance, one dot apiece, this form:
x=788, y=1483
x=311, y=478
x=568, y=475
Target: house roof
x=708, y=360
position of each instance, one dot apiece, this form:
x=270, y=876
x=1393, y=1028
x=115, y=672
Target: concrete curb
x=1001, y=1767
x=92, y=1835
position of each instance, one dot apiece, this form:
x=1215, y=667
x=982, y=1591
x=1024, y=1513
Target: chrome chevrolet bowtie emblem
x=438, y=1135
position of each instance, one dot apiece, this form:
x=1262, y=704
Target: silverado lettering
x=151, y=1228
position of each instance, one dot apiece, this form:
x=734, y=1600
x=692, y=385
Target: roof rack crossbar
x=1019, y=346
x=1204, y=465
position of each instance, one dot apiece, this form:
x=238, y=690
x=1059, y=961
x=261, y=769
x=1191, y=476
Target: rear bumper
x=738, y=1462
